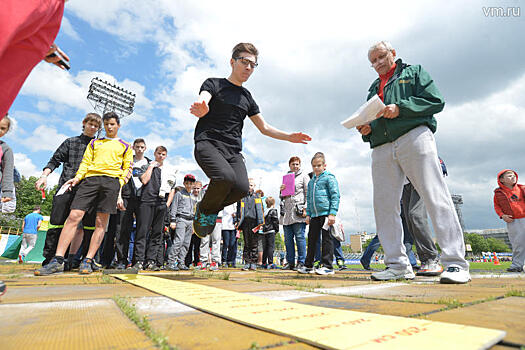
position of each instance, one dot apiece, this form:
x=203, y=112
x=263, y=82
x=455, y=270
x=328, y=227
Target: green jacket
x=418, y=99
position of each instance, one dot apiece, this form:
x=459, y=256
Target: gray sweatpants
x=181, y=243
x=414, y=155
x=215, y=236
x=28, y=243
x=417, y=221
x=516, y=230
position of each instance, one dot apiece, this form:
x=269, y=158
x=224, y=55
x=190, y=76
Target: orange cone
x=496, y=260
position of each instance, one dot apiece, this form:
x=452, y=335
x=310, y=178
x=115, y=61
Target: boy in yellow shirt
x=105, y=168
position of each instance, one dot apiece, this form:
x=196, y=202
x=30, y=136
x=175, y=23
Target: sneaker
x=430, y=268
x=53, y=267
x=246, y=267
x=515, y=269
x=86, y=266
x=341, y=265
x=183, y=267
x=94, y=265
x=393, y=274
x=317, y=264
x=139, y=265
x=324, y=271
x=203, y=224
x=230, y=265
x=172, y=267
x=150, y=265
x=253, y=267
x=288, y=266
x=455, y=275
x=305, y=270
x=365, y=265
x=2, y=288
x=214, y=267
x=120, y=266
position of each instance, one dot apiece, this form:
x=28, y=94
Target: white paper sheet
x=365, y=114
x=63, y=189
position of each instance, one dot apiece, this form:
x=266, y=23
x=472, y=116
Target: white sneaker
x=304, y=270
x=324, y=271
x=455, y=275
x=430, y=268
x=393, y=274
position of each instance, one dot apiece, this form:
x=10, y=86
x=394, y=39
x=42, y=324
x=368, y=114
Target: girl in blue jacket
x=322, y=203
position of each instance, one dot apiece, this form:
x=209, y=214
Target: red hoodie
x=510, y=201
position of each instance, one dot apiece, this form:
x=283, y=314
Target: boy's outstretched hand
x=199, y=109
x=299, y=137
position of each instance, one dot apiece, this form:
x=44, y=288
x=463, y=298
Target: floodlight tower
x=106, y=97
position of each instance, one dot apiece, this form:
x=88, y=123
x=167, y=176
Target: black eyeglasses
x=247, y=62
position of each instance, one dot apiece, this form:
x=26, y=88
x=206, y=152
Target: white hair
x=380, y=45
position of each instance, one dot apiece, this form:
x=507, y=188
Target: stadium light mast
x=107, y=97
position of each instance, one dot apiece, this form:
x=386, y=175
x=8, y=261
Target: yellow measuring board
x=322, y=327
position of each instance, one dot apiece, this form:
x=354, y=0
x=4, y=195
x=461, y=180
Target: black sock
x=60, y=259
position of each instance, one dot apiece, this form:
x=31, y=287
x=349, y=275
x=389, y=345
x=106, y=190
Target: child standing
x=509, y=203
x=322, y=202
x=181, y=216
x=269, y=229
x=250, y=213
x=7, y=164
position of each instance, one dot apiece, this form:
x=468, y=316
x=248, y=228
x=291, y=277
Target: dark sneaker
x=94, y=265
x=365, y=265
x=86, y=267
x=155, y=268
x=150, y=265
x=288, y=266
x=2, y=288
x=172, y=267
x=341, y=265
x=120, y=266
x=139, y=265
x=53, y=267
x=246, y=267
x=203, y=224
x=183, y=267
x=515, y=269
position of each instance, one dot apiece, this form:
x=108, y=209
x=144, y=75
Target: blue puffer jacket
x=322, y=195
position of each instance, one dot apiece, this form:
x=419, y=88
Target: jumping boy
x=322, y=203
x=222, y=106
x=509, y=203
x=104, y=169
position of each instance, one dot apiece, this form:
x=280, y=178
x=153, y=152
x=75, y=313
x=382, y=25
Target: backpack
x=271, y=221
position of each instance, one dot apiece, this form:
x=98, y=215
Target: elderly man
x=403, y=144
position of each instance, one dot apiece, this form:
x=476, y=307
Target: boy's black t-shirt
x=223, y=124
x=150, y=191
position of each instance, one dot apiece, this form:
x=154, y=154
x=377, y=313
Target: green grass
x=105, y=279
x=129, y=309
x=211, y=274
x=515, y=293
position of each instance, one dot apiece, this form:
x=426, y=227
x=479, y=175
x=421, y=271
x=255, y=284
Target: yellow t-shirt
x=107, y=157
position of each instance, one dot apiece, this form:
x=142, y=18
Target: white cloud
x=44, y=138
x=26, y=168
x=67, y=28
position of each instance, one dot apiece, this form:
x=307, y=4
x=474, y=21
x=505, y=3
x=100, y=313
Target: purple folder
x=289, y=182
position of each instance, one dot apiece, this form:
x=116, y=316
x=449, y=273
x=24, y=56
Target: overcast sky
x=313, y=72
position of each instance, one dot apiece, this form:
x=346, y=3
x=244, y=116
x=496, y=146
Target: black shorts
x=100, y=192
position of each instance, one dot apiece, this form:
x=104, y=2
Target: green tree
x=27, y=197
x=279, y=244
x=367, y=243
x=498, y=246
x=477, y=243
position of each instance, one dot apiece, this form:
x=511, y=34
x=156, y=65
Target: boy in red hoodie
x=509, y=203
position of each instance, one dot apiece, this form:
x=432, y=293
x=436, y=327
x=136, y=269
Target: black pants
x=228, y=177
x=268, y=244
x=250, y=240
x=327, y=248
x=123, y=235
x=107, y=248
x=229, y=246
x=59, y=213
x=194, y=253
x=150, y=220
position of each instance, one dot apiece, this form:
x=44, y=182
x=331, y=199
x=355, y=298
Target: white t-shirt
x=227, y=218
